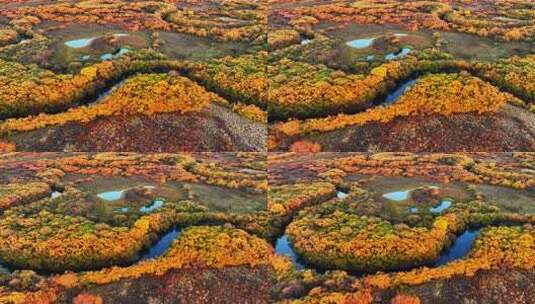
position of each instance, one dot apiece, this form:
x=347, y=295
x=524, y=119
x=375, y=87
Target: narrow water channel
x=459, y=249
x=398, y=92
x=162, y=245
x=283, y=247
x=4, y=269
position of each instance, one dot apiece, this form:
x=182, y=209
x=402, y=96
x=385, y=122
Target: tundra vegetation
x=81, y=70
x=356, y=75
x=320, y=75
x=287, y=228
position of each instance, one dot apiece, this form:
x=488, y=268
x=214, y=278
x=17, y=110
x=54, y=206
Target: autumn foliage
x=145, y=94
x=444, y=94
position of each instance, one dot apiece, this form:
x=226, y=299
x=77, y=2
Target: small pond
x=444, y=204
x=399, y=54
x=80, y=43
x=112, y=195
x=361, y=43
x=398, y=195
x=124, y=209
x=441, y=207
x=413, y=209
x=156, y=204
x=85, y=42
x=402, y=195
x=110, y=56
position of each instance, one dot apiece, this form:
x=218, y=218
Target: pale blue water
x=404, y=52
x=413, y=209
x=398, y=195
x=111, y=195
x=403, y=194
x=392, y=97
x=459, y=249
x=80, y=43
x=85, y=57
x=370, y=57
x=84, y=42
x=361, y=43
x=162, y=245
x=444, y=204
x=283, y=247
x=155, y=205
x=107, y=56
x=122, y=51
x=341, y=195
x=124, y=209
x=110, y=56
x=55, y=194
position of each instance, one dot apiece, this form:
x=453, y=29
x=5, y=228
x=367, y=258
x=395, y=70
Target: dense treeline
x=29, y=90
x=70, y=231
x=444, y=94
x=62, y=232
x=145, y=94
x=503, y=20
x=228, y=20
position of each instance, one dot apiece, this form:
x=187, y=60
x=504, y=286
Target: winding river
x=162, y=245
x=458, y=250
x=397, y=93
x=284, y=247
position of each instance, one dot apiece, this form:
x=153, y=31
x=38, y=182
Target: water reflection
x=163, y=244
x=459, y=249
x=394, y=96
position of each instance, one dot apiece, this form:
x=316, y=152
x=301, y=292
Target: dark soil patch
x=192, y=286
x=216, y=129
x=498, y=132
x=517, y=287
